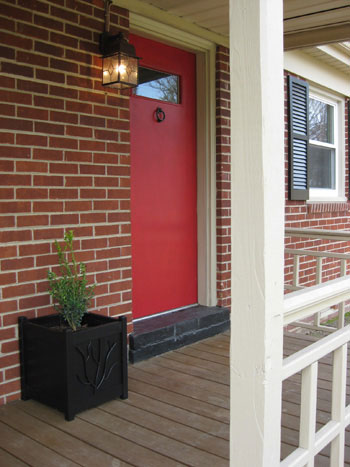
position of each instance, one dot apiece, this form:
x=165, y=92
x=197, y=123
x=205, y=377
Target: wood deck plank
x=141, y=383
x=178, y=385
x=180, y=415
x=58, y=441
x=177, y=414
x=153, y=421
x=99, y=438
x=140, y=436
x=9, y=460
x=28, y=450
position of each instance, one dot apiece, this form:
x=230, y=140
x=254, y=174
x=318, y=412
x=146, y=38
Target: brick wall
x=64, y=161
x=332, y=216
x=223, y=177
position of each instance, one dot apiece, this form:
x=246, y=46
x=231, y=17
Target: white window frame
x=338, y=193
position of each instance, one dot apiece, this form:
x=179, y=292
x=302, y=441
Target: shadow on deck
x=177, y=414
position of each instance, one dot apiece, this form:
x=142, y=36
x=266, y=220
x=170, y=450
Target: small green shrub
x=70, y=293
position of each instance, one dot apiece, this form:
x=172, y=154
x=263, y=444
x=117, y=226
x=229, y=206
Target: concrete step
x=165, y=332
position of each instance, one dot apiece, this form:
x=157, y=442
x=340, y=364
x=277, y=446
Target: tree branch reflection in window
x=158, y=85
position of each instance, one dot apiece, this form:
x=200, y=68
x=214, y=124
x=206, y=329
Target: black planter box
x=73, y=371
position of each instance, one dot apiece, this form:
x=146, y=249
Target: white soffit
x=334, y=55
x=320, y=68
x=306, y=22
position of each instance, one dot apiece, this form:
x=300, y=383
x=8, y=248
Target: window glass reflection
x=158, y=85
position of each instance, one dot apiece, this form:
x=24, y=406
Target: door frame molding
x=206, y=143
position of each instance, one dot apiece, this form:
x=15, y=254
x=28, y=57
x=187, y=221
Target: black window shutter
x=298, y=91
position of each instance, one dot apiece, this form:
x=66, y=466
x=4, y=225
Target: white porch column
x=256, y=45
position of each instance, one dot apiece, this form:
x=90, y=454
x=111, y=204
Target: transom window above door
x=158, y=85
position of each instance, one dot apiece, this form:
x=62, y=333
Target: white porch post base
x=257, y=119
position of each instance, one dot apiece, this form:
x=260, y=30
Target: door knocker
x=160, y=115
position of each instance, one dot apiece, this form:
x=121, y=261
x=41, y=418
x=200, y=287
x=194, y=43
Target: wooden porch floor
x=177, y=414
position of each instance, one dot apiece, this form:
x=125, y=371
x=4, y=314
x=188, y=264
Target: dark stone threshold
x=162, y=333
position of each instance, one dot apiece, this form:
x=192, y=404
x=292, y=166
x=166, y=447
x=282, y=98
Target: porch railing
x=320, y=257
x=302, y=304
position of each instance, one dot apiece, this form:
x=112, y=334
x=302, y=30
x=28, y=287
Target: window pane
x=321, y=167
x=321, y=121
x=158, y=85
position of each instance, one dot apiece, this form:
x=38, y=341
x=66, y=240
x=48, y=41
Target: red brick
x=48, y=23
x=104, y=158
x=7, y=221
x=48, y=180
x=14, y=179
x=63, y=219
x=47, y=75
x=81, y=7
x=81, y=33
x=31, y=221
x=8, y=110
x=40, y=101
x=34, y=5
x=75, y=156
x=34, y=302
x=78, y=181
x=92, y=97
x=18, y=290
x=80, y=82
x=93, y=193
x=93, y=218
x=18, y=70
x=63, y=65
x=48, y=206
x=107, y=230
x=118, y=171
x=119, y=194
x=47, y=154
x=8, y=306
x=92, y=169
x=108, y=299
x=34, y=249
x=80, y=107
x=65, y=193
x=32, y=31
x=7, y=24
x=62, y=91
x=46, y=234
x=50, y=128
x=14, y=124
x=106, y=205
x=33, y=140
x=6, y=166
x=79, y=56
x=32, y=59
x=78, y=206
x=31, y=193
x=29, y=166
x=8, y=252
x=106, y=135
x=32, y=86
x=7, y=388
x=116, y=217
x=11, y=40
x=64, y=168
x=88, y=145
x=64, y=117
x=68, y=143
x=9, y=347
x=79, y=131
x=64, y=40
x=8, y=333
x=12, y=373
x=31, y=112
x=108, y=276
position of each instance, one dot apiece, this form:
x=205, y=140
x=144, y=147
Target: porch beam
x=256, y=38
x=317, y=36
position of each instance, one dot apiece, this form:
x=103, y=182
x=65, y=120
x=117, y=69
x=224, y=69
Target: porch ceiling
x=306, y=23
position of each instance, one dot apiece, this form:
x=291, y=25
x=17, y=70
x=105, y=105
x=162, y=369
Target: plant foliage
x=70, y=292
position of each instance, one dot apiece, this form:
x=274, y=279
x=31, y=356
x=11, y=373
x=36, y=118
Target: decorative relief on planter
x=98, y=363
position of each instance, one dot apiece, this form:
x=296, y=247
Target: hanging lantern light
x=119, y=61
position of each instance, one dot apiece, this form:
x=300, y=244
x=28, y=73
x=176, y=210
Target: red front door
x=163, y=180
